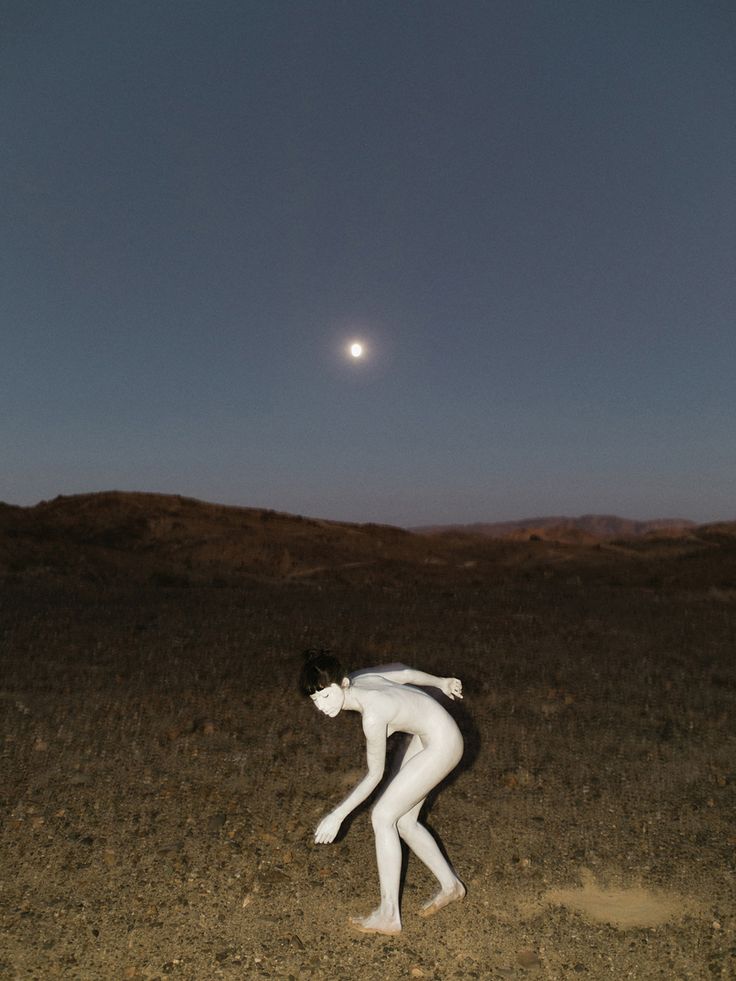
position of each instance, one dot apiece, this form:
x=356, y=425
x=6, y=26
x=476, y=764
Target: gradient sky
x=525, y=209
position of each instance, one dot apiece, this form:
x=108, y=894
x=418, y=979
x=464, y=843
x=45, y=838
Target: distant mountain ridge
x=129, y=537
x=587, y=527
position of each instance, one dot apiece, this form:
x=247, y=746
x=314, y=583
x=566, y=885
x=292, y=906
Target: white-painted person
x=387, y=700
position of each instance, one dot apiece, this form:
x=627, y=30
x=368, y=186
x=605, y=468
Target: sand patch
x=622, y=908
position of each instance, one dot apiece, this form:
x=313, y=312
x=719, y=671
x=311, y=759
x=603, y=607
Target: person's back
x=406, y=708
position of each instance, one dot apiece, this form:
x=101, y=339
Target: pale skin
x=388, y=702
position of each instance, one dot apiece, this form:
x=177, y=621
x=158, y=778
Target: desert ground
x=162, y=775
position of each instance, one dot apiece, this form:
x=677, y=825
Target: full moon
x=356, y=350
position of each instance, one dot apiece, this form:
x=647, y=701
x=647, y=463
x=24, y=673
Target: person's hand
x=452, y=687
x=327, y=829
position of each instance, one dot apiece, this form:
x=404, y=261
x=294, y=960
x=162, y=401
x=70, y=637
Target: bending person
x=388, y=703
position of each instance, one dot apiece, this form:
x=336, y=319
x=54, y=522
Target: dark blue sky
x=526, y=210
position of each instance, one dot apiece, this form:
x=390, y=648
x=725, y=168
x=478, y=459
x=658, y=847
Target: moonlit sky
x=525, y=210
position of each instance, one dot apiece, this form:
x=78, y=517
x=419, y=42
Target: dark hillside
x=171, y=540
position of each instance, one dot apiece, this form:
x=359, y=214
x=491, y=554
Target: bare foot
x=443, y=898
x=377, y=922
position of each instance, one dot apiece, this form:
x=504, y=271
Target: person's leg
x=418, y=838
x=421, y=770
x=387, y=918
x=424, y=846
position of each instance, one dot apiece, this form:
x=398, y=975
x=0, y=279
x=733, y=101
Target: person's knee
x=406, y=824
x=382, y=818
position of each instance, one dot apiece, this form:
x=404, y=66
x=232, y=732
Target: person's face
x=329, y=700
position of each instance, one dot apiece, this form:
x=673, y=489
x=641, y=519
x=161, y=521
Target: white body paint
x=387, y=700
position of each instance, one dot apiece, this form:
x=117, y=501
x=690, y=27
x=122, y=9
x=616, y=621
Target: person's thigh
x=417, y=776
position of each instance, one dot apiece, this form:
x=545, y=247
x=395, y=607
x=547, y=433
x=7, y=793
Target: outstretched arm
x=375, y=735
x=403, y=675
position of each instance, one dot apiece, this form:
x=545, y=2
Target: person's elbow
x=374, y=776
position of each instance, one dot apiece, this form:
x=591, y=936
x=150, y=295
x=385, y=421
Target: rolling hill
x=171, y=540
x=112, y=534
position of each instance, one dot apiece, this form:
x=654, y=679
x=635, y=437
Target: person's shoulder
x=377, y=694
x=369, y=679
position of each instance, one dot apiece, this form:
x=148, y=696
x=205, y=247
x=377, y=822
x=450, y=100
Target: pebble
x=216, y=822
x=528, y=958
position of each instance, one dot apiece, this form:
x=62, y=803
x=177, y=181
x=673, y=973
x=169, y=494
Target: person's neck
x=351, y=703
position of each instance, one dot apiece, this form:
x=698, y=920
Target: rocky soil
x=161, y=777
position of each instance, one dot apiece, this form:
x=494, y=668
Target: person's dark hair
x=320, y=670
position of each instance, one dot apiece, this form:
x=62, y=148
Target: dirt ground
x=161, y=778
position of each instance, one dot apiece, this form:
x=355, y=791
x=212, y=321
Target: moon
x=356, y=350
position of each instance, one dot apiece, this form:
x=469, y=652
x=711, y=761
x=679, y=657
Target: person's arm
x=375, y=735
x=400, y=674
